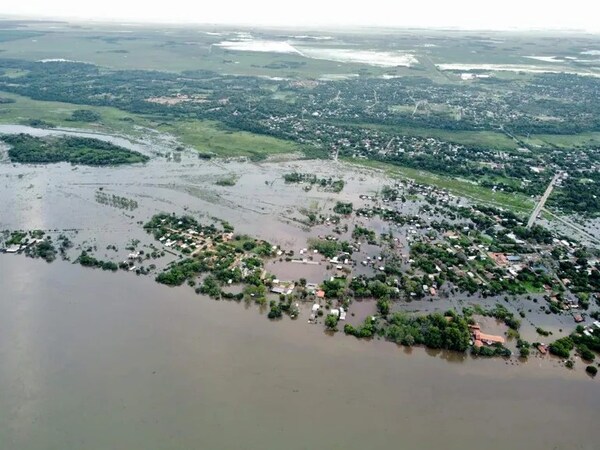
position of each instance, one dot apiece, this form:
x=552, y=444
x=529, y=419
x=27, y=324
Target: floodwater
x=107, y=361
x=62, y=196
x=101, y=360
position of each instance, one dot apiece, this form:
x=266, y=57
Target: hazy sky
x=478, y=14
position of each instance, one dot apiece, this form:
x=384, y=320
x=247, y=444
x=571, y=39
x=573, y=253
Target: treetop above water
x=29, y=149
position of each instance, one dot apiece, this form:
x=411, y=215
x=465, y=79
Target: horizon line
x=330, y=26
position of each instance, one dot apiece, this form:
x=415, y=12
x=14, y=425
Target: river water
x=108, y=361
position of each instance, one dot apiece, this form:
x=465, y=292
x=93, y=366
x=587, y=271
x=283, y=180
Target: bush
x=592, y=370
x=586, y=353
x=275, y=311
x=562, y=347
x=569, y=364
x=331, y=322
x=84, y=115
x=383, y=306
x=542, y=332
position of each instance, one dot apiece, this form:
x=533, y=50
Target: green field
x=563, y=140
x=204, y=136
x=463, y=188
x=490, y=139
x=58, y=114
x=494, y=140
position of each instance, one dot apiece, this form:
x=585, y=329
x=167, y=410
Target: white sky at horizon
x=466, y=14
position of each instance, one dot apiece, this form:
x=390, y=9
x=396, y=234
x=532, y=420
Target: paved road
x=542, y=202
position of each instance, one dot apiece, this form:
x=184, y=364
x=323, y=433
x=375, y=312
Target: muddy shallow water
x=62, y=196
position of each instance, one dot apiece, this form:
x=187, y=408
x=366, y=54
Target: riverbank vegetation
x=27, y=149
x=310, y=180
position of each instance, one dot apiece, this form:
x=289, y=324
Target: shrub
x=562, y=347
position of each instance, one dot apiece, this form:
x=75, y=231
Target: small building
x=285, y=290
x=482, y=338
x=282, y=287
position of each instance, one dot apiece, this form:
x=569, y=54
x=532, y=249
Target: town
x=437, y=268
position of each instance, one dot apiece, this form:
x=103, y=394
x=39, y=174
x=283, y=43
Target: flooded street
x=98, y=360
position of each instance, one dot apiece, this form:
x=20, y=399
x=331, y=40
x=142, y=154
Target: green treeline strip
x=26, y=149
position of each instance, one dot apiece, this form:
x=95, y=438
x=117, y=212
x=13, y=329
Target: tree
x=586, y=353
x=331, y=322
x=275, y=310
x=379, y=289
x=383, y=306
x=210, y=286
x=457, y=339
x=433, y=337
x=408, y=340
x=562, y=347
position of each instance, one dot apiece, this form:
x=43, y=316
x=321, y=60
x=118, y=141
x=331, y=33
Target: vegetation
x=179, y=272
x=330, y=248
x=85, y=115
x=229, y=181
x=327, y=184
x=116, y=201
x=86, y=260
x=210, y=286
x=76, y=150
x=524, y=348
x=433, y=331
x=45, y=250
x=343, y=208
x=562, y=347
x=331, y=322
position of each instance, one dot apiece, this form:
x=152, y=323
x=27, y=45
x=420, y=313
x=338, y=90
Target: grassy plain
x=58, y=113
x=563, y=140
x=207, y=136
x=490, y=139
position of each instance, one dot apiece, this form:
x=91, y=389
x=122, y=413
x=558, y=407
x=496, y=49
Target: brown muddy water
x=108, y=361
x=97, y=360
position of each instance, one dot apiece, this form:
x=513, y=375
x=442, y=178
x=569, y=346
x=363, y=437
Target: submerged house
x=481, y=338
